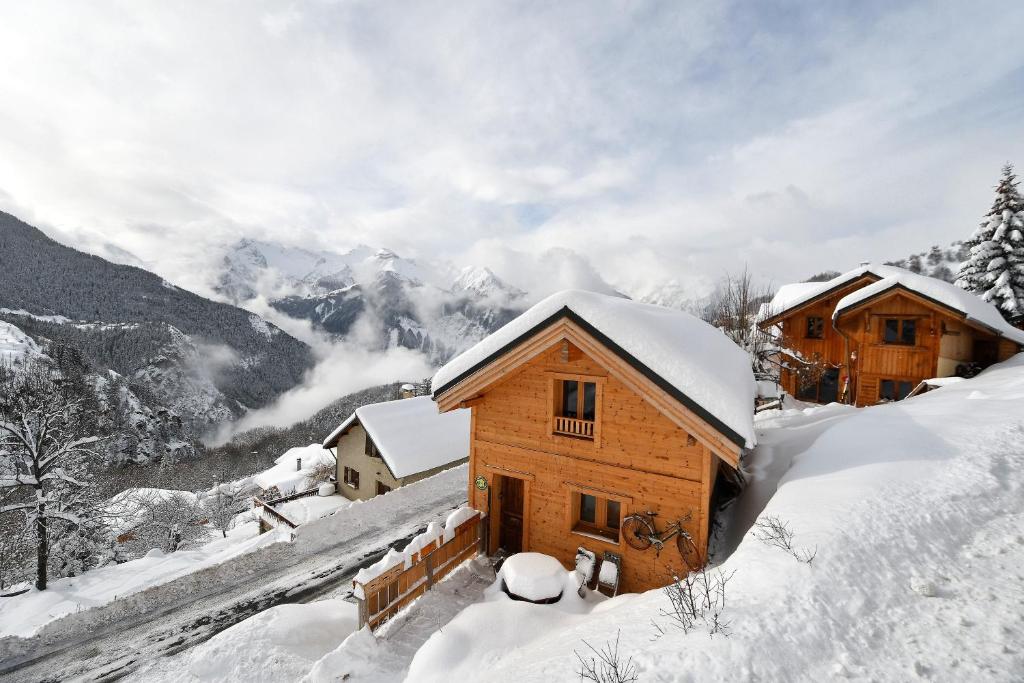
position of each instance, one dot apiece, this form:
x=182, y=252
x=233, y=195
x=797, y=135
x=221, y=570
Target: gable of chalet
x=847, y=285
x=566, y=325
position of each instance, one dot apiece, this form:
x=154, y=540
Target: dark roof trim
x=900, y=286
x=827, y=292
x=566, y=312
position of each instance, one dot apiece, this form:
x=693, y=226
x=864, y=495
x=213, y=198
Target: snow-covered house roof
x=285, y=475
x=797, y=294
x=972, y=307
x=410, y=434
x=688, y=358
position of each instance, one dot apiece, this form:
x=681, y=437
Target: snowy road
x=323, y=563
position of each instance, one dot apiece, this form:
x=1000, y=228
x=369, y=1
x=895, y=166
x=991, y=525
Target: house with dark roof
x=600, y=423
x=873, y=334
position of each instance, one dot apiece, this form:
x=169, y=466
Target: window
x=815, y=327
x=894, y=390
x=900, y=331
x=598, y=516
x=352, y=477
x=370, y=448
x=382, y=489
x=575, y=408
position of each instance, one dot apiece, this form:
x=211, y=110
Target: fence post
x=429, y=561
x=364, y=616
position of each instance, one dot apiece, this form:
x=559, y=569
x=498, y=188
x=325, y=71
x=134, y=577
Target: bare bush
x=698, y=598
x=222, y=505
x=320, y=474
x=774, y=532
x=607, y=666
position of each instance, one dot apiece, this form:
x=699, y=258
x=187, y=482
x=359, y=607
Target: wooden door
x=510, y=534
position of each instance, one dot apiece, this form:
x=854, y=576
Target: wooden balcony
x=570, y=426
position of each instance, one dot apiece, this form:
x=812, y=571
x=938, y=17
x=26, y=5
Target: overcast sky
x=661, y=140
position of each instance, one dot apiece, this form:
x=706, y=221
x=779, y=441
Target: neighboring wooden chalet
x=382, y=446
x=873, y=334
x=590, y=408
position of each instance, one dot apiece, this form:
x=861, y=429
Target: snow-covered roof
x=973, y=307
x=411, y=435
x=285, y=476
x=706, y=370
x=799, y=293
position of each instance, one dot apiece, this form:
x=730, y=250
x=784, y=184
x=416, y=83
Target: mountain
x=935, y=262
x=199, y=360
x=432, y=307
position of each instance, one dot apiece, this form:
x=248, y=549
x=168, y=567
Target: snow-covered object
x=393, y=558
x=798, y=293
x=326, y=489
x=585, y=561
x=533, y=576
x=690, y=355
x=973, y=307
x=609, y=573
x=411, y=435
x=284, y=474
x=278, y=644
x=15, y=345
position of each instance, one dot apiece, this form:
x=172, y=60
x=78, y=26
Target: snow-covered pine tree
x=994, y=270
x=45, y=455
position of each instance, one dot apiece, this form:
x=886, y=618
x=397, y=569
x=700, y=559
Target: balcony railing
x=570, y=426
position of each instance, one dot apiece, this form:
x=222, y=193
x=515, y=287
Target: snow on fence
x=384, y=588
x=271, y=518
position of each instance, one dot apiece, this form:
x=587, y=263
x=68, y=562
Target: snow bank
x=421, y=541
x=279, y=644
x=973, y=307
x=689, y=354
x=915, y=509
x=305, y=510
x=411, y=435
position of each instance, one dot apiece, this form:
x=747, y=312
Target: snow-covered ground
x=916, y=511
x=24, y=614
x=305, y=510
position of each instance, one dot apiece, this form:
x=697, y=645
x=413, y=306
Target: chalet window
x=575, y=408
x=900, y=331
x=351, y=477
x=370, y=448
x=597, y=516
x=382, y=489
x=894, y=390
x=815, y=327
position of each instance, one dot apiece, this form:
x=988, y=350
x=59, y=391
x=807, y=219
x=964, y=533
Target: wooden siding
x=638, y=457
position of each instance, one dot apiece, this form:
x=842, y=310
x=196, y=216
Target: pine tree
x=994, y=270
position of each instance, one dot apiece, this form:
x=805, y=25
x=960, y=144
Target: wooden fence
x=384, y=595
x=269, y=517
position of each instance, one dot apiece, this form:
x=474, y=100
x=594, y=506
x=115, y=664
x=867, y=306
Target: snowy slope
x=915, y=509
x=15, y=345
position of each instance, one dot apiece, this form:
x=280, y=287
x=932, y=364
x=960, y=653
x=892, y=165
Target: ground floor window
x=894, y=390
x=352, y=477
x=596, y=515
x=382, y=488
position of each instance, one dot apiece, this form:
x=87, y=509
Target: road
x=112, y=652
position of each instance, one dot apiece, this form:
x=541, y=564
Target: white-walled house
x=383, y=446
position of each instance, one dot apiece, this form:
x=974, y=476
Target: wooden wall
x=638, y=457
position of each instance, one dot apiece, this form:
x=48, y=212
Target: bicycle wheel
x=638, y=530
x=688, y=550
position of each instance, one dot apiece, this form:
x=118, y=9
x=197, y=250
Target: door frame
x=494, y=484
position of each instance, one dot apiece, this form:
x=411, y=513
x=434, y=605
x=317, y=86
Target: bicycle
x=641, y=534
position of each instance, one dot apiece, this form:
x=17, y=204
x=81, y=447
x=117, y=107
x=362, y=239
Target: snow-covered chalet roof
x=283, y=474
x=411, y=435
x=797, y=294
x=695, y=362
x=973, y=307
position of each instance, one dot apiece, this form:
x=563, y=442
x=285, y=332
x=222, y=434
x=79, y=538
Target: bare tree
x=771, y=530
x=168, y=520
x=45, y=455
x=735, y=308
x=321, y=473
x=222, y=505
x=607, y=666
x=696, y=598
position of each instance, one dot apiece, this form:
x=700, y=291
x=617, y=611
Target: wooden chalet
x=383, y=446
x=875, y=333
x=589, y=408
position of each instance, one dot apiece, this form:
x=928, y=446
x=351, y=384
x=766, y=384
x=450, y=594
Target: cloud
x=660, y=141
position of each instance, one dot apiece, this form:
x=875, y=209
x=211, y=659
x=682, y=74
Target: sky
x=662, y=141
